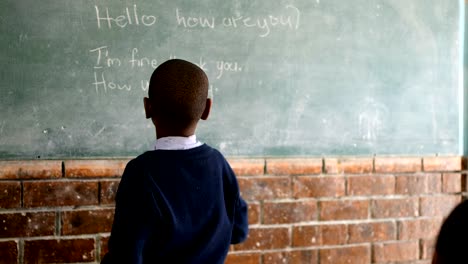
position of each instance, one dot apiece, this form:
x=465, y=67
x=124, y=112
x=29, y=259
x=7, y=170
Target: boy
x=179, y=203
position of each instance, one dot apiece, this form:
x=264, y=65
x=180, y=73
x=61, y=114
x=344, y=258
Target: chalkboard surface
x=288, y=77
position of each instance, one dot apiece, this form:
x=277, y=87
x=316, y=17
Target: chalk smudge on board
x=371, y=118
x=434, y=120
x=100, y=131
x=2, y=125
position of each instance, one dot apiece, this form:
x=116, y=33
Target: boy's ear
x=207, y=110
x=148, y=108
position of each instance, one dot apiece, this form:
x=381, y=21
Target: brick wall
x=331, y=210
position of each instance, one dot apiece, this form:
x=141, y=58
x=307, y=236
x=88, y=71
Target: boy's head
x=178, y=98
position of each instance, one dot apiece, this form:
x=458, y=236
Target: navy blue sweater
x=177, y=206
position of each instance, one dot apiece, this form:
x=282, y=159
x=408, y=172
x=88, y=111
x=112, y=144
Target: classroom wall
x=330, y=210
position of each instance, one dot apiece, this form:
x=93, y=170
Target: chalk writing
x=191, y=22
x=144, y=85
x=103, y=59
x=131, y=16
x=224, y=66
x=134, y=59
x=141, y=62
x=103, y=85
x=202, y=64
x=100, y=83
x=264, y=24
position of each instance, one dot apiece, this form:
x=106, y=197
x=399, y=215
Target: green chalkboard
x=288, y=77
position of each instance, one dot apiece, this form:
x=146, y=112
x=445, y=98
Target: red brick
x=27, y=224
x=397, y=164
x=87, y=222
x=348, y=255
x=395, y=207
x=108, y=191
x=263, y=188
x=246, y=258
x=94, y=168
x=371, y=185
x=418, y=228
x=442, y=164
x=334, y=234
x=313, y=235
x=8, y=252
x=60, y=193
x=103, y=245
x=464, y=181
x=344, y=210
x=349, y=165
x=306, y=236
x=10, y=194
x=396, y=251
x=372, y=232
x=59, y=251
x=31, y=169
x=289, y=212
x=451, y=182
x=254, y=213
x=265, y=238
x=427, y=248
x=247, y=167
x=418, y=184
x=291, y=257
x=294, y=166
x=438, y=205
x=318, y=186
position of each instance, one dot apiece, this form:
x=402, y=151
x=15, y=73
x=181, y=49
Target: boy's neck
x=177, y=143
x=164, y=132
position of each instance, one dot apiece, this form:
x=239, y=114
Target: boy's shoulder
x=201, y=152
x=160, y=161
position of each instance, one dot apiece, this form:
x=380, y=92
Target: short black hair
x=178, y=91
x=452, y=243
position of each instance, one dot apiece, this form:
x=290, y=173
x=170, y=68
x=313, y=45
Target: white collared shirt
x=177, y=143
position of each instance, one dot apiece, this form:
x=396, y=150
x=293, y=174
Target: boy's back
x=178, y=207
x=179, y=203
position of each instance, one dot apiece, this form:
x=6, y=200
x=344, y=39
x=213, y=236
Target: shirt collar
x=177, y=143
